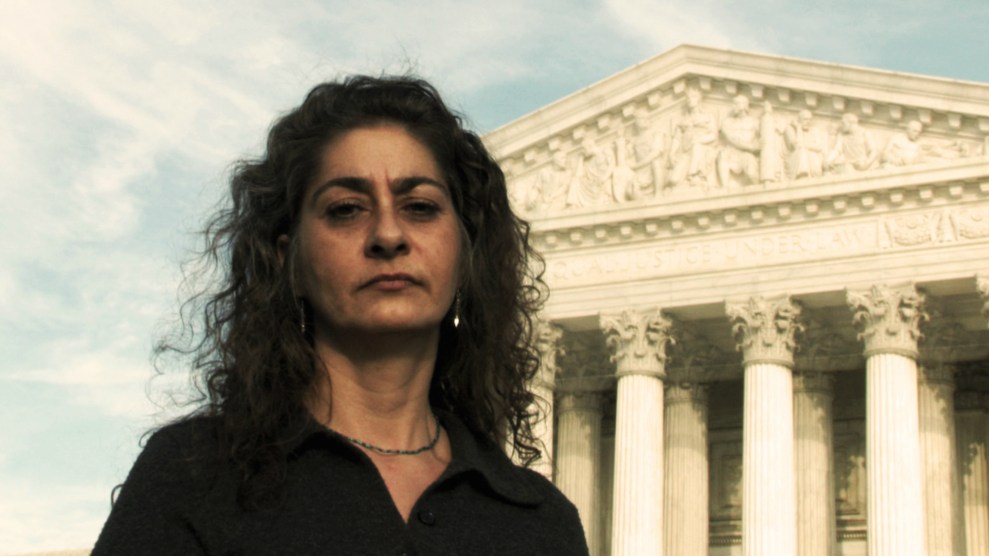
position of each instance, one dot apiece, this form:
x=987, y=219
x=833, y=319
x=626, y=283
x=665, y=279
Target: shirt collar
x=471, y=453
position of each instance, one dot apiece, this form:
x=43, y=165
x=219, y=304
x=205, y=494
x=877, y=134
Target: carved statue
x=592, y=180
x=908, y=147
x=854, y=148
x=740, y=154
x=551, y=184
x=641, y=169
x=623, y=180
x=770, y=152
x=905, y=148
x=648, y=145
x=692, y=149
x=805, y=146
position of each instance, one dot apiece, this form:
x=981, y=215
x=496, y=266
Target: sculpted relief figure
x=692, y=149
x=904, y=148
x=770, y=150
x=908, y=147
x=649, y=146
x=592, y=180
x=641, y=169
x=740, y=154
x=805, y=147
x=853, y=150
x=551, y=184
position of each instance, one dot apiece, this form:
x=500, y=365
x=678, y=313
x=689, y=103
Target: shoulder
x=175, y=458
x=189, y=440
x=167, y=484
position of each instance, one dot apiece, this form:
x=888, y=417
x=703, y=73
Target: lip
x=391, y=281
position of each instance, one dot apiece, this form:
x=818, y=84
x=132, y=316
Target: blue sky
x=120, y=121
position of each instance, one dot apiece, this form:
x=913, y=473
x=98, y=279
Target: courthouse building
x=768, y=326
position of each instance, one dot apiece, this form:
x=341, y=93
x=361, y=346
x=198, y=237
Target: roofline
x=824, y=78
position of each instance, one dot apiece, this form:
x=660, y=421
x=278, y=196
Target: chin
x=400, y=326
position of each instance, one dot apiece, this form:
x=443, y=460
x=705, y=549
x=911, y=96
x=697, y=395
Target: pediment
x=700, y=124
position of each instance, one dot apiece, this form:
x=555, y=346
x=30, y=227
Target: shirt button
x=427, y=517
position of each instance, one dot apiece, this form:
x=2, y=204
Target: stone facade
x=770, y=305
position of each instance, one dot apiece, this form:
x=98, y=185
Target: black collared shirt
x=335, y=502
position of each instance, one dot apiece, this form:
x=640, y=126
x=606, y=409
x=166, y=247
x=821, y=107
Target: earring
x=302, y=316
x=456, y=310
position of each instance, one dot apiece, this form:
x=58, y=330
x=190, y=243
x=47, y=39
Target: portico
x=772, y=361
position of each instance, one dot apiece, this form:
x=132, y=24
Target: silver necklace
x=392, y=452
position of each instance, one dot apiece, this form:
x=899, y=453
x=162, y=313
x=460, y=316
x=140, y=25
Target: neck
x=376, y=389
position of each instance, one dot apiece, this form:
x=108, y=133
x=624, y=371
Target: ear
x=281, y=246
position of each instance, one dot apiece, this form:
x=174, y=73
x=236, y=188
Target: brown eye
x=422, y=209
x=343, y=211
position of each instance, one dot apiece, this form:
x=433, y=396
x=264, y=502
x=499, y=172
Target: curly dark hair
x=255, y=368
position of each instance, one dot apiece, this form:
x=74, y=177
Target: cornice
x=788, y=81
x=764, y=206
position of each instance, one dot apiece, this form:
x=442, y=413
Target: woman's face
x=379, y=240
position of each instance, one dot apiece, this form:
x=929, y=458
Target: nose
x=387, y=236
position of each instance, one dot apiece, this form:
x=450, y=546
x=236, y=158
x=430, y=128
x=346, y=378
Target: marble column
x=548, y=337
x=638, y=341
x=814, y=455
x=686, y=463
x=936, y=408
x=972, y=425
x=982, y=285
x=578, y=444
x=765, y=331
x=888, y=320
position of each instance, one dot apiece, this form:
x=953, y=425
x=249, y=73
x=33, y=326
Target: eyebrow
x=363, y=185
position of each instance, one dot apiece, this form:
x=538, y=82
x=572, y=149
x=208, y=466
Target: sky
x=119, y=122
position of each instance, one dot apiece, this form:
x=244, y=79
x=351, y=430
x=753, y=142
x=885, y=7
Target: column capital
x=938, y=373
x=765, y=330
x=547, y=342
x=579, y=401
x=942, y=340
x=686, y=392
x=822, y=348
x=888, y=319
x=585, y=364
x=982, y=284
x=638, y=340
x=814, y=382
x=968, y=401
x=696, y=362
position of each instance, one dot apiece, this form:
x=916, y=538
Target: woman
x=365, y=356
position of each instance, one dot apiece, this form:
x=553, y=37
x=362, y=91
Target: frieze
x=877, y=234
x=971, y=223
x=916, y=211
x=707, y=255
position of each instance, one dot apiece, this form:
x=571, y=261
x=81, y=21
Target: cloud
x=35, y=517
x=120, y=119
